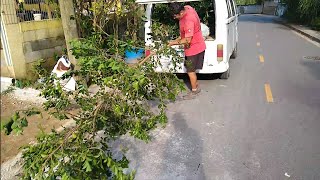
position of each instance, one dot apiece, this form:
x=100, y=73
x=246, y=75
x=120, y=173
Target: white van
x=221, y=43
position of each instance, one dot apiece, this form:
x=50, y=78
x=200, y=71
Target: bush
x=303, y=11
x=315, y=23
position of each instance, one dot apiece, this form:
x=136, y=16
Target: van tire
x=235, y=52
x=225, y=75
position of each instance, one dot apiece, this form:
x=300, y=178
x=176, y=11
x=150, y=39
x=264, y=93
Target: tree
x=310, y=9
x=303, y=11
x=69, y=24
x=246, y=2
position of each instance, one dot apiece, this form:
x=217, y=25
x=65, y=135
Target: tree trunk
x=69, y=25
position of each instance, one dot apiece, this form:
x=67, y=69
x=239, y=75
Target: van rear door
x=235, y=24
x=230, y=27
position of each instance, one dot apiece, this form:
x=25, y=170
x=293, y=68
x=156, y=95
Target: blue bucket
x=133, y=54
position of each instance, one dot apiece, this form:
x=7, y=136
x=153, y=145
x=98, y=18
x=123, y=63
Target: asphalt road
x=262, y=123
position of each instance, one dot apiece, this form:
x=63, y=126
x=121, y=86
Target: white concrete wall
x=251, y=9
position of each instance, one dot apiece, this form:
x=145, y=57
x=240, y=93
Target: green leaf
x=116, y=171
x=16, y=116
x=24, y=122
x=74, y=135
x=15, y=125
x=7, y=127
x=142, y=80
x=163, y=119
x=124, y=163
x=136, y=85
x=109, y=161
x=87, y=166
x=44, y=155
x=65, y=177
x=32, y=112
x=171, y=96
x=101, y=66
x=18, y=131
x=117, y=110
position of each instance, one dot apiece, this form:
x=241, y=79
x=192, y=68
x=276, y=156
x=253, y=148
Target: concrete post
x=69, y=25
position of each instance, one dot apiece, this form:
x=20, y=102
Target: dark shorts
x=192, y=63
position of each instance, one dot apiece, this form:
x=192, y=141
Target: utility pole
x=69, y=25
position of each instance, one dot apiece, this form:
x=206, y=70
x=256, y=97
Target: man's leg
x=193, y=80
x=191, y=64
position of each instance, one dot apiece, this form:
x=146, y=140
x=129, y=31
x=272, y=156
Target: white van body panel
x=226, y=33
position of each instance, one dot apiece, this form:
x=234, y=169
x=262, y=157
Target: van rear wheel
x=225, y=75
x=235, y=52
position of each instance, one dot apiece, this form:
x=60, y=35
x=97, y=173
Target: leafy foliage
x=39, y=70
x=22, y=83
x=248, y=2
x=303, y=11
x=18, y=121
x=121, y=106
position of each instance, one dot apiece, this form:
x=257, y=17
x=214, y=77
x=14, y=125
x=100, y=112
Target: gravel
x=28, y=94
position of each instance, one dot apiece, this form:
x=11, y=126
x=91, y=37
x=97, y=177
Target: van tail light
x=147, y=53
x=220, y=52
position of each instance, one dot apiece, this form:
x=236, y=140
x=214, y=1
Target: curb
x=298, y=30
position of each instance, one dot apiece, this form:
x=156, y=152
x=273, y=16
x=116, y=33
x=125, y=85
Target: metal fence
x=8, y=13
x=15, y=11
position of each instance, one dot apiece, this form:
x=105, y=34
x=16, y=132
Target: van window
x=205, y=10
x=233, y=8
x=229, y=8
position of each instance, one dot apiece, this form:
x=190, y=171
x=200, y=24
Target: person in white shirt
x=62, y=66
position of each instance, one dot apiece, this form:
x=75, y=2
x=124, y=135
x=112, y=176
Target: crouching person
x=63, y=66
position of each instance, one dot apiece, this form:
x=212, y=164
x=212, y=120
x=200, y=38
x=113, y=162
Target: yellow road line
x=258, y=43
x=261, y=58
x=269, y=96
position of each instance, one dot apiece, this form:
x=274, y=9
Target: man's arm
x=180, y=41
x=188, y=34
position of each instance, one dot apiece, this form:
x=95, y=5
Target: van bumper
x=207, y=68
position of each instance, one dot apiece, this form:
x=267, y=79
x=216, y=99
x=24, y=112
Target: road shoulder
x=303, y=30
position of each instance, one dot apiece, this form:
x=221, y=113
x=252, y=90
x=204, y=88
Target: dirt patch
x=10, y=144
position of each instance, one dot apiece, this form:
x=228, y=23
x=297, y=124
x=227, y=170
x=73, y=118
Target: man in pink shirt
x=191, y=38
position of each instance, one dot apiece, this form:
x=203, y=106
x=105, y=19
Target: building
x=30, y=30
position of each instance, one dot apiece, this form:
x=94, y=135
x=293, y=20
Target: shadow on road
x=183, y=152
x=257, y=18
x=186, y=81
x=174, y=152
x=313, y=66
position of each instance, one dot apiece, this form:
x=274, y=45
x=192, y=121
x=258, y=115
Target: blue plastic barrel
x=133, y=54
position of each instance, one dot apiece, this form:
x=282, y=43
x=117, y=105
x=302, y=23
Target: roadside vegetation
x=304, y=12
